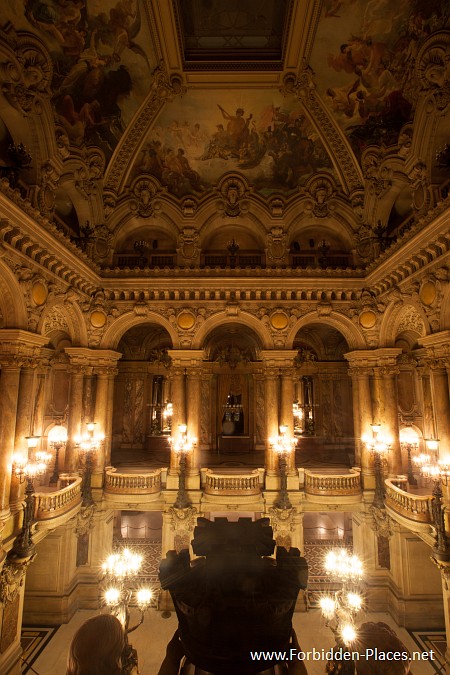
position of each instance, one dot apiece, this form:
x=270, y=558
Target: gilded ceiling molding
x=162, y=90
x=303, y=88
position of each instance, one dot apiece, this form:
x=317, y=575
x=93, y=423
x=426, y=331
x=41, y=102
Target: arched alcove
x=142, y=390
x=323, y=396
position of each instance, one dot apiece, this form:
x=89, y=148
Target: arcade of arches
x=234, y=234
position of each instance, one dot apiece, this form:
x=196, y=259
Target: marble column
x=390, y=421
x=75, y=414
x=429, y=426
x=272, y=431
x=100, y=414
x=23, y=429
x=193, y=402
x=441, y=403
x=9, y=394
x=286, y=413
x=362, y=414
x=179, y=411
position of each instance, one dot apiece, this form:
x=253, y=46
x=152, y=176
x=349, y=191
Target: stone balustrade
x=49, y=505
x=241, y=484
x=333, y=485
x=144, y=483
x=414, y=507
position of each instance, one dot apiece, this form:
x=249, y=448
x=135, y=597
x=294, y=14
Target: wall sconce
x=182, y=445
x=379, y=447
x=121, y=591
x=88, y=444
x=57, y=438
x=283, y=446
x=27, y=469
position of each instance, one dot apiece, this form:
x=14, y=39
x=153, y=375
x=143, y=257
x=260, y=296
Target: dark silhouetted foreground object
x=234, y=599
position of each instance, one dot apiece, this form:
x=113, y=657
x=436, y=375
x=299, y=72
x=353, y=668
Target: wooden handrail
x=132, y=483
x=414, y=507
x=333, y=485
x=52, y=504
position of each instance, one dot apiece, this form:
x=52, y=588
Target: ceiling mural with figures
x=102, y=62
x=364, y=57
x=119, y=82
x=262, y=135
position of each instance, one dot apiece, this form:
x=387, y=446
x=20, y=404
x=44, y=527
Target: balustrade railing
x=232, y=484
x=132, y=483
x=414, y=507
x=53, y=504
x=333, y=485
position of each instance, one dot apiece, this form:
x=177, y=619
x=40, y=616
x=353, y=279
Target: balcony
x=241, y=484
x=55, y=504
x=138, y=484
x=326, y=484
x=410, y=506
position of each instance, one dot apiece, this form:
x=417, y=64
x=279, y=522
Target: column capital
x=106, y=371
x=84, y=356
x=21, y=343
x=360, y=371
x=387, y=370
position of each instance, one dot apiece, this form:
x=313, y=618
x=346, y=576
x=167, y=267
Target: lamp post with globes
x=438, y=471
x=57, y=438
x=88, y=444
x=182, y=444
x=379, y=446
x=409, y=441
x=27, y=468
x=283, y=446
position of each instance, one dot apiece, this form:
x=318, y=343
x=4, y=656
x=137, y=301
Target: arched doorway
x=142, y=397
x=323, y=406
x=232, y=351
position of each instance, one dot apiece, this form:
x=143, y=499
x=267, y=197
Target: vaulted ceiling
x=333, y=109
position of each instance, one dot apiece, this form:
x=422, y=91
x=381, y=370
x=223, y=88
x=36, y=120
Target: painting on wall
x=262, y=135
x=364, y=58
x=102, y=61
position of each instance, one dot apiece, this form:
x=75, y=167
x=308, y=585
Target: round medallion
x=279, y=320
x=39, y=293
x=427, y=293
x=185, y=320
x=367, y=318
x=98, y=318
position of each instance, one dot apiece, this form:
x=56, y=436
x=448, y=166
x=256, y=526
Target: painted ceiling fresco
x=363, y=57
x=102, y=62
x=264, y=136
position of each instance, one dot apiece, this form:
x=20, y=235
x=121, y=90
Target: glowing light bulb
x=112, y=596
x=348, y=633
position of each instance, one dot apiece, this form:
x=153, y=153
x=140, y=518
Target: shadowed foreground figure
x=99, y=647
x=373, y=635
x=234, y=599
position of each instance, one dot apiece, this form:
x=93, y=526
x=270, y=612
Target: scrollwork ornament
x=12, y=577
x=381, y=521
x=84, y=521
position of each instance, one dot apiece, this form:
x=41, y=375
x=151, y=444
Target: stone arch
x=351, y=333
x=12, y=302
x=113, y=334
x=395, y=316
x=57, y=314
x=222, y=318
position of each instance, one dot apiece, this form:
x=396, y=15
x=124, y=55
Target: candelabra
x=437, y=470
x=379, y=446
x=341, y=608
x=121, y=591
x=57, y=438
x=182, y=445
x=167, y=417
x=283, y=446
x=409, y=441
x=26, y=470
x=88, y=444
